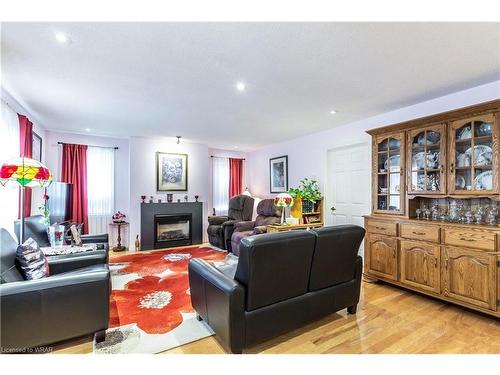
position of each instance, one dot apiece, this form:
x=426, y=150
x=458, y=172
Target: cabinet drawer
x=420, y=232
x=477, y=239
x=381, y=227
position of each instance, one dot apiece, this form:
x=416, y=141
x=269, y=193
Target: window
x=220, y=185
x=9, y=148
x=100, y=188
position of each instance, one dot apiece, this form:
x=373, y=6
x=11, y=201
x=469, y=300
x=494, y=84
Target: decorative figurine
x=185, y=198
x=151, y=199
x=196, y=198
x=137, y=243
x=178, y=200
x=418, y=212
x=143, y=197
x=159, y=200
x=170, y=198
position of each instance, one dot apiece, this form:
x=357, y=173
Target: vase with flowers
x=119, y=217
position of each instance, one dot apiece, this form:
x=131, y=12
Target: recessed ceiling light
x=87, y=129
x=332, y=112
x=240, y=86
x=235, y=147
x=63, y=38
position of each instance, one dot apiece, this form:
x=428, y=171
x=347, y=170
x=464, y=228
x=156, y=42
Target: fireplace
x=164, y=214
x=172, y=230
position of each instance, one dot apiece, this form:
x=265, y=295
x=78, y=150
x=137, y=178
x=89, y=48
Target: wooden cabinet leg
x=100, y=336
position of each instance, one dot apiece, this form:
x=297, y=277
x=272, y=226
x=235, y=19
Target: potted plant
x=308, y=191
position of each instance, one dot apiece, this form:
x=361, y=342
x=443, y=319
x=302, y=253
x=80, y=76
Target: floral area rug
x=150, y=307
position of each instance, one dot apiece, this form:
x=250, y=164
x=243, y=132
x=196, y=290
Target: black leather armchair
x=220, y=228
x=55, y=308
x=34, y=228
x=281, y=282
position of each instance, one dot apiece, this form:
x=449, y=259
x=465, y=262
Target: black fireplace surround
x=165, y=225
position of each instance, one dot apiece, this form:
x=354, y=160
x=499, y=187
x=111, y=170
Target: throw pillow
x=31, y=260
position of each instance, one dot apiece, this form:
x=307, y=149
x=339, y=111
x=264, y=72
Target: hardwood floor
x=389, y=320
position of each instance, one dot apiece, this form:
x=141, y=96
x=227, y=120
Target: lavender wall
x=307, y=155
x=143, y=174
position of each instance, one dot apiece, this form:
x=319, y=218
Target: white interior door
x=348, y=185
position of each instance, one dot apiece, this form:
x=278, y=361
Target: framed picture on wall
x=171, y=172
x=37, y=147
x=278, y=174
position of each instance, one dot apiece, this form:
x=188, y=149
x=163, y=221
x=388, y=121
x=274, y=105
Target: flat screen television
x=59, y=203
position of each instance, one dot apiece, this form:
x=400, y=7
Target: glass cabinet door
x=474, y=156
x=389, y=185
x=426, y=158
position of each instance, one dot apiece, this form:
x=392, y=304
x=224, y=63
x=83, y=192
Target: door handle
x=333, y=208
x=452, y=168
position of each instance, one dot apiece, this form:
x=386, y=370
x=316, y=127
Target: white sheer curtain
x=100, y=188
x=9, y=148
x=220, y=189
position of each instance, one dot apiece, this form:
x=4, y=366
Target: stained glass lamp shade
x=24, y=172
x=283, y=200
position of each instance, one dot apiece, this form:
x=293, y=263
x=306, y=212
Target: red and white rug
x=150, y=307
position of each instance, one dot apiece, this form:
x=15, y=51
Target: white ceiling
x=169, y=79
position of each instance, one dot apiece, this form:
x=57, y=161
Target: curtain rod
x=114, y=148
x=223, y=157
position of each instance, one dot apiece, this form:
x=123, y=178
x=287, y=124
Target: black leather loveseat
x=282, y=281
x=51, y=309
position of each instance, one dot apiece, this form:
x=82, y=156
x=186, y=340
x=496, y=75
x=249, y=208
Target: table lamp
x=27, y=173
x=283, y=200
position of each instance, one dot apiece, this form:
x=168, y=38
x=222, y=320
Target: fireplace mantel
x=149, y=210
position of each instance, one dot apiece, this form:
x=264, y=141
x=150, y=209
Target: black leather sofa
x=221, y=228
x=34, y=228
x=39, y=312
x=282, y=281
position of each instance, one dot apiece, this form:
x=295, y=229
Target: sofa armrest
x=243, y=226
x=64, y=263
x=260, y=229
x=220, y=301
x=217, y=220
x=55, y=308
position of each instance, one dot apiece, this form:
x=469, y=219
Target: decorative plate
x=463, y=160
x=482, y=154
x=465, y=133
x=459, y=182
x=394, y=162
x=484, y=181
x=484, y=129
x=418, y=161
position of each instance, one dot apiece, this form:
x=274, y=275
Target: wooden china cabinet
x=435, y=221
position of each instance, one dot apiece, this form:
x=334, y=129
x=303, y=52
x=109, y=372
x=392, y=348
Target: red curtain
x=74, y=171
x=26, y=150
x=235, y=177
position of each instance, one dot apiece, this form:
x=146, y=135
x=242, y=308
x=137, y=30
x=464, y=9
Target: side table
x=118, y=236
x=284, y=228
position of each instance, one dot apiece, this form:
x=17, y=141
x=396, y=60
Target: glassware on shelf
x=492, y=215
x=443, y=216
x=435, y=212
x=454, y=215
x=469, y=217
x=479, y=215
x=427, y=213
x=418, y=212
